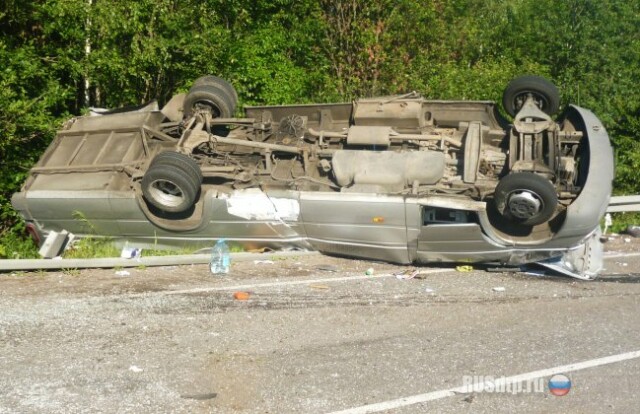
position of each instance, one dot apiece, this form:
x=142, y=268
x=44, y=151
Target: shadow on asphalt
x=627, y=278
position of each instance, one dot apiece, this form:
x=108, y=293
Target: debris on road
x=535, y=273
x=201, y=397
x=406, y=274
x=56, y=243
x=327, y=268
x=608, y=222
x=504, y=269
x=134, y=368
x=469, y=398
x=633, y=231
x=369, y=271
x=499, y=289
x=123, y=273
x=241, y=295
x=257, y=262
x=129, y=252
x=323, y=287
x=464, y=268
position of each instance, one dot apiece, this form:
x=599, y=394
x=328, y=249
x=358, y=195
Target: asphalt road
x=316, y=335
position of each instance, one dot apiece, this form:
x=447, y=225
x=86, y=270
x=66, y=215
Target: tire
x=172, y=183
x=544, y=93
x=180, y=161
x=211, y=97
x=526, y=198
x=221, y=83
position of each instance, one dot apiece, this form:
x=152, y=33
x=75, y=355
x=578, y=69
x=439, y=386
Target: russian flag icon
x=559, y=385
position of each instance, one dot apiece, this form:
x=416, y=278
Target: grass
x=97, y=248
x=168, y=252
x=236, y=248
x=14, y=246
x=71, y=272
x=92, y=247
x=622, y=220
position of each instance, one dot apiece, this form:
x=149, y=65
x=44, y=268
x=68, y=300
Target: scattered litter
x=535, y=272
x=134, y=368
x=429, y=290
x=503, y=269
x=623, y=264
x=406, y=274
x=633, y=231
x=241, y=295
x=57, y=258
x=55, y=243
x=369, y=271
x=327, y=268
x=324, y=287
x=207, y=396
x=608, y=221
x=464, y=268
x=499, y=289
x=627, y=239
x=469, y=398
x=129, y=252
x=123, y=273
x=263, y=262
x=261, y=250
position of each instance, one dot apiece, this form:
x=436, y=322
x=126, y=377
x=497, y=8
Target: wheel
x=172, y=182
x=181, y=161
x=221, y=83
x=544, y=93
x=526, y=198
x=209, y=97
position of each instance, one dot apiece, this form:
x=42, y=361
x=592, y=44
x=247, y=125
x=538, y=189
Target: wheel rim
x=209, y=106
x=540, y=100
x=167, y=193
x=524, y=204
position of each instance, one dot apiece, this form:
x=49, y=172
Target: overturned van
x=398, y=178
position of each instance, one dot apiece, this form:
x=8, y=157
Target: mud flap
x=583, y=262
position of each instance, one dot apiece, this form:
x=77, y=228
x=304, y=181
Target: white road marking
x=430, y=396
x=283, y=283
x=615, y=256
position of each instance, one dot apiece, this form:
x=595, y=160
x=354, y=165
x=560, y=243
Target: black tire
x=181, y=161
x=221, y=83
x=170, y=183
x=211, y=97
x=526, y=198
x=544, y=92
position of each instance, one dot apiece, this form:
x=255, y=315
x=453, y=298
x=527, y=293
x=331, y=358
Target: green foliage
x=14, y=246
x=622, y=220
x=104, y=247
x=286, y=51
x=91, y=248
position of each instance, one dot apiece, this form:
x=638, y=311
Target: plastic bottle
x=220, y=259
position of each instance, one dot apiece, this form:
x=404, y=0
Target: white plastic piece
x=53, y=244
